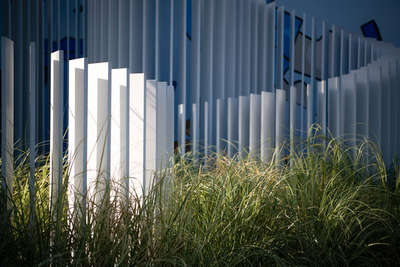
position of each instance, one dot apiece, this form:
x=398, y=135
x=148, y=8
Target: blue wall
x=351, y=14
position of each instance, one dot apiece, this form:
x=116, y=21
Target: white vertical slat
x=150, y=134
x=162, y=155
x=77, y=133
x=56, y=126
x=349, y=108
x=98, y=127
x=232, y=125
x=170, y=122
x=206, y=129
x=322, y=95
x=119, y=131
x=169, y=136
x=255, y=126
x=375, y=103
x=267, y=125
x=195, y=129
x=244, y=118
x=292, y=116
x=333, y=106
x=181, y=128
x=280, y=125
x=32, y=126
x=220, y=125
x=393, y=121
x=332, y=53
x=362, y=97
x=136, y=134
x=322, y=105
x=7, y=115
x=360, y=54
x=386, y=111
x=270, y=46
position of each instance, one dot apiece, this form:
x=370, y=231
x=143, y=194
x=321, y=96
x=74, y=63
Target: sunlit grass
x=335, y=206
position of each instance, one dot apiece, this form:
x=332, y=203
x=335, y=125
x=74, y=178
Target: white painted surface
x=119, y=131
x=98, y=131
x=255, y=125
x=268, y=125
x=56, y=125
x=77, y=132
x=136, y=133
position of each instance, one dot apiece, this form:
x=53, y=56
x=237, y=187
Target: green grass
x=334, y=207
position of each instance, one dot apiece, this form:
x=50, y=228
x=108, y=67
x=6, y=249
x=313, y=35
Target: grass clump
x=334, y=206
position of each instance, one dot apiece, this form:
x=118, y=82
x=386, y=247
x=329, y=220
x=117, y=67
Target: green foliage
x=334, y=206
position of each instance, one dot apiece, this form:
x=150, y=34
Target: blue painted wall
x=351, y=14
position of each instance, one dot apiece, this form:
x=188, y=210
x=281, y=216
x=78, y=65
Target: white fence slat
x=244, y=118
x=136, y=133
x=375, y=103
x=206, y=126
x=362, y=97
x=181, y=128
x=280, y=122
x=170, y=121
x=195, y=127
x=232, y=125
x=7, y=115
x=348, y=108
x=267, y=125
x=119, y=131
x=293, y=116
x=56, y=125
x=150, y=134
x=98, y=131
x=255, y=126
x=220, y=125
x=162, y=126
x=333, y=106
x=77, y=133
x=322, y=105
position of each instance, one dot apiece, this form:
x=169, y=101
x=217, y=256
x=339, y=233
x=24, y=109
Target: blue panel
x=370, y=29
